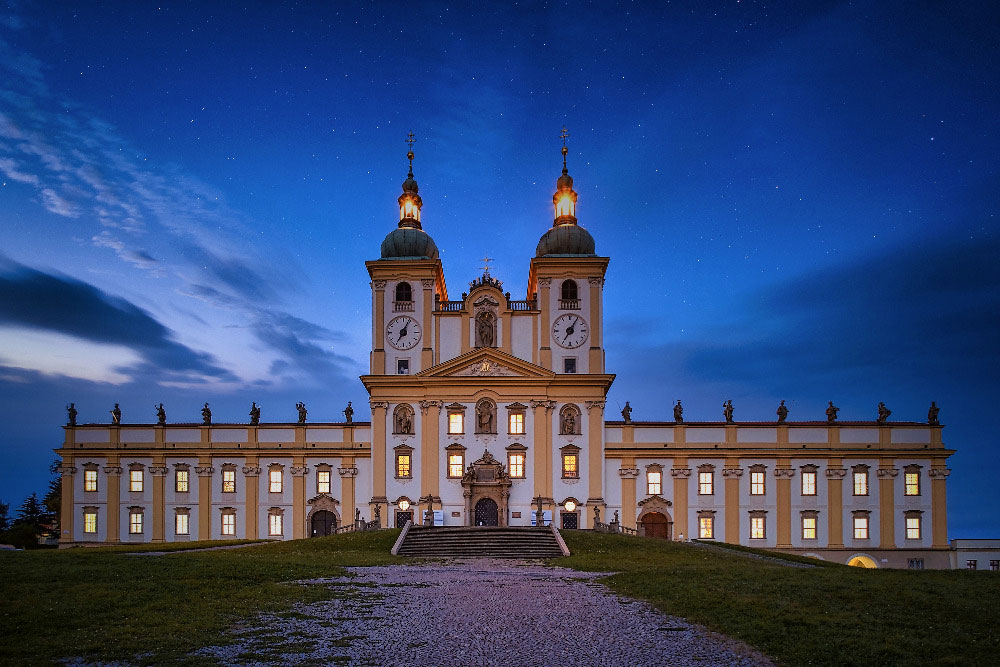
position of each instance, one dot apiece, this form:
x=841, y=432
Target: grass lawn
x=834, y=615
x=100, y=604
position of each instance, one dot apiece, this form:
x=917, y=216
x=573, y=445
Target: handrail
x=402, y=536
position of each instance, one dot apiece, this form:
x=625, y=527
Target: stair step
x=472, y=541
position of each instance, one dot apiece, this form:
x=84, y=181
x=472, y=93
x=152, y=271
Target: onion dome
x=566, y=237
x=409, y=240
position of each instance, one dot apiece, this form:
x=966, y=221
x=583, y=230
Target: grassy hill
x=829, y=615
x=102, y=604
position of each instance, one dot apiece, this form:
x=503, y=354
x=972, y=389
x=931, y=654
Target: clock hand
x=402, y=332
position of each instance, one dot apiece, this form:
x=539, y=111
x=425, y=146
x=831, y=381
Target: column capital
x=544, y=282
x=379, y=405
x=596, y=280
x=594, y=404
x=204, y=471
x=427, y=283
x=112, y=470
x=682, y=473
x=784, y=473
x=348, y=471
x=426, y=405
x=379, y=284
x=628, y=473
x=887, y=473
x=299, y=471
x=157, y=471
x=66, y=470
x=251, y=471
x=732, y=472
x=548, y=405
x=836, y=473
x=938, y=473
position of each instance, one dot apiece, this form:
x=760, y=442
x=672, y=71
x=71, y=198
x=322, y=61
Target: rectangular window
x=706, y=527
x=515, y=465
x=135, y=522
x=516, y=423
x=274, y=481
x=181, y=481
x=756, y=527
x=135, y=480
x=912, y=483
x=181, y=525
x=569, y=365
x=569, y=468
x=455, y=465
x=861, y=528
x=274, y=524
x=706, y=483
x=808, y=528
x=323, y=481
x=402, y=366
x=90, y=522
x=90, y=480
x=913, y=527
x=756, y=483
x=808, y=483
x=971, y=564
x=456, y=422
x=995, y=566
x=229, y=523
x=654, y=480
x=861, y=483
x=229, y=481
x=402, y=465
x=915, y=563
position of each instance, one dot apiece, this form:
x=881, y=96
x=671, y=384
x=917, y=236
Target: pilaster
x=113, y=473
x=299, y=471
x=595, y=457
x=159, y=472
x=887, y=503
x=596, y=325
x=204, y=470
x=347, y=473
x=251, y=481
x=939, y=505
x=544, y=321
x=66, y=505
x=731, y=474
x=783, y=474
x=379, y=409
x=542, y=418
x=378, y=328
x=628, y=473
x=835, y=502
x=427, y=351
x=430, y=450
x=681, y=474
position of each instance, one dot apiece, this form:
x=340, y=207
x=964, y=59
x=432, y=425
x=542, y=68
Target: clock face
x=569, y=330
x=403, y=332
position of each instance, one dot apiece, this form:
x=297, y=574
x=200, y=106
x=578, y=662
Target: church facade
x=490, y=410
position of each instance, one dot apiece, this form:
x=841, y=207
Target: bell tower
x=406, y=281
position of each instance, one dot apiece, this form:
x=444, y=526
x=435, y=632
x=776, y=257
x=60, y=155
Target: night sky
x=799, y=202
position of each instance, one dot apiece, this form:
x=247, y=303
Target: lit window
x=135, y=480
x=181, y=481
x=90, y=480
x=90, y=522
x=515, y=464
x=808, y=528
x=456, y=468
x=229, y=523
x=913, y=527
x=516, y=420
x=861, y=483
x=653, y=482
x=135, y=522
x=569, y=467
x=706, y=527
x=808, y=483
x=706, y=483
x=181, y=524
x=323, y=481
x=861, y=528
x=229, y=481
x=971, y=564
x=912, y=483
x=402, y=465
x=274, y=481
x=756, y=527
x=756, y=483
x=456, y=422
x=274, y=523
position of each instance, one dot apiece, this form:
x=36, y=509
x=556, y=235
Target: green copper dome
x=568, y=239
x=409, y=243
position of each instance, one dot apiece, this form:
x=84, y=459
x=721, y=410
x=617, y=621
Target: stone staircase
x=480, y=542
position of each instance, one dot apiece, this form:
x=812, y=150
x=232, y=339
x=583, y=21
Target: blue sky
x=799, y=201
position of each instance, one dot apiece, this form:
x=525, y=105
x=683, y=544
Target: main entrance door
x=323, y=523
x=487, y=513
x=655, y=524
x=402, y=517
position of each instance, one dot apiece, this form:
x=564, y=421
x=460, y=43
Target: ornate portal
x=486, y=488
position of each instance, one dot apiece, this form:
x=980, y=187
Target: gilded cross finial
x=409, y=153
x=564, y=135
x=486, y=265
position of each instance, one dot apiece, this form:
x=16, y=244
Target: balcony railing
x=450, y=306
x=402, y=306
x=521, y=305
x=569, y=304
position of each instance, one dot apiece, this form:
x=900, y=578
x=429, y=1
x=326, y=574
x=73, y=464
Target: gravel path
x=476, y=612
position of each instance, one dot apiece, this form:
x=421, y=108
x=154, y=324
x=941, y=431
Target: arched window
x=404, y=292
x=569, y=290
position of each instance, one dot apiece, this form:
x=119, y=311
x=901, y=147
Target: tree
x=31, y=513
x=53, y=497
x=4, y=517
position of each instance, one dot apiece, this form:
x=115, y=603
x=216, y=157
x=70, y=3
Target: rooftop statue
x=831, y=413
x=206, y=416
x=254, y=413
x=883, y=412
x=116, y=415
x=727, y=411
x=72, y=413
x=161, y=414
x=782, y=413
x=679, y=412
x=932, y=414
x=349, y=413
x=301, y=407
x=627, y=413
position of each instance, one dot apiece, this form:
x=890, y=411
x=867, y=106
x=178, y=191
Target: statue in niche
x=831, y=413
x=782, y=413
x=597, y=515
x=206, y=416
x=679, y=412
x=883, y=412
x=486, y=329
x=727, y=411
x=378, y=515
x=254, y=414
x=71, y=412
x=932, y=414
x=404, y=420
x=301, y=407
x=616, y=517
x=485, y=417
x=161, y=414
x=627, y=413
x=349, y=413
x=568, y=424
x=116, y=415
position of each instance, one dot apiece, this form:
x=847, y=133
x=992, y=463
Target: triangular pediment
x=486, y=362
